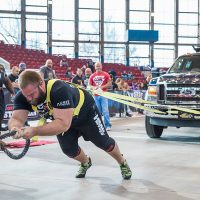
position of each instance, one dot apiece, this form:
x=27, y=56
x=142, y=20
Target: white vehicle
x=177, y=94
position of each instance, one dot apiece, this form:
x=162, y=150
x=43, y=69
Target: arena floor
x=167, y=169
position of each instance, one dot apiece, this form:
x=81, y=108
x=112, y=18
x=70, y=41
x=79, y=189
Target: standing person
x=69, y=74
x=22, y=67
x=90, y=64
x=86, y=77
x=124, y=87
x=13, y=76
x=63, y=62
x=101, y=80
x=73, y=113
x=78, y=78
x=46, y=71
x=4, y=80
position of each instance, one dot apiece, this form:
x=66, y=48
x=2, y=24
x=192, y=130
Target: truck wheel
x=153, y=131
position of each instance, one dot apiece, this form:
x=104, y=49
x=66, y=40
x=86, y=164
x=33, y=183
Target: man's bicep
x=65, y=115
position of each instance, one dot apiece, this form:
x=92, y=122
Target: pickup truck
x=177, y=94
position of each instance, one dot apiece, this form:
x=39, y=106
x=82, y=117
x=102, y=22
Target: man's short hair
x=29, y=77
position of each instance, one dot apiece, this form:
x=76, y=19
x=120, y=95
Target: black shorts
x=91, y=128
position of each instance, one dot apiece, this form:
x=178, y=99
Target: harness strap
x=80, y=103
x=49, y=86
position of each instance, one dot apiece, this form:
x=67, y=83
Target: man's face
x=34, y=94
x=79, y=72
x=88, y=73
x=98, y=67
x=50, y=64
x=16, y=72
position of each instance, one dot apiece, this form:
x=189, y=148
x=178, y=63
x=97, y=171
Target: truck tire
x=153, y=131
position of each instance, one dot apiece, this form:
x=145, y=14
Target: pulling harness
x=48, y=100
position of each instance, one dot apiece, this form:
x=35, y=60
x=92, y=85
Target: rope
x=7, y=152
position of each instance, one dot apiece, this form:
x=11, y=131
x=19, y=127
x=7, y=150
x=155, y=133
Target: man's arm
x=15, y=85
x=61, y=123
x=18, y=119
x=91, y=83
x=107, y=85
x=41, y=72
x=7, y=82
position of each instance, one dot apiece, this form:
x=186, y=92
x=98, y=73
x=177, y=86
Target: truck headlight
x=152, y=91
x=151, y=94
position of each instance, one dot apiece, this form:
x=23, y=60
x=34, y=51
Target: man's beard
x=41, y=98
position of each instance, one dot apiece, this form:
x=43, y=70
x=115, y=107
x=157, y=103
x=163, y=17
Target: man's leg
x=96, y=133
x=116, y=154
x=82, y=157
x=86, y=163
x=105, y=112
x=98, y=103
x=69, y=145
x=125, y=169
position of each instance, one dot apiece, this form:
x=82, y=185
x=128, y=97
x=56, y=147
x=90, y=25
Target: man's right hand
x=19, y=132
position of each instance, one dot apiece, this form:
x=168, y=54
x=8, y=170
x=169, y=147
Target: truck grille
x=179, y=94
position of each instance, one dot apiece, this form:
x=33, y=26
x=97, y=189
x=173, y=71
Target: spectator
x=124, y=75
x=46, y=71
x=113, y=73
x=149, y=77
x=124, y=87
x=69, y=75
x=88, y=73
x=130, y=75
x=78, y=78
x=114, y=86
x=13, y=76
x=134, y=86
x=22, y=67
x=101, y=80
x=143, y=85
x=63, y=62
x=90, y=65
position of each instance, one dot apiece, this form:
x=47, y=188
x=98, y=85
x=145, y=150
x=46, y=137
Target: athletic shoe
x=125, y=171
x=128, y=114
x=108, y=128
x=83, y=169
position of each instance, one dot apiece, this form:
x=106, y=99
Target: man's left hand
x=25, y=132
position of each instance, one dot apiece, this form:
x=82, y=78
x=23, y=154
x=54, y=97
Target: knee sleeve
x=108, y=145
x=71, y=152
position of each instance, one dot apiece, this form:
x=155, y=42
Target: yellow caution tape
x=126, y=100
x=186, y=110
x=104, y=94
x=129, y=98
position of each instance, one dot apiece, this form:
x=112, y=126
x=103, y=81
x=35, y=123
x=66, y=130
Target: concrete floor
x=167, y=169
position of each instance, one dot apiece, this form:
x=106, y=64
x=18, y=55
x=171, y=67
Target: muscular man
x=73, y=113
